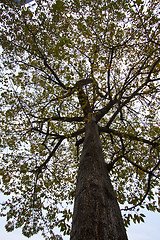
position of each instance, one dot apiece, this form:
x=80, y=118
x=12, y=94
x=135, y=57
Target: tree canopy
x=61, y=62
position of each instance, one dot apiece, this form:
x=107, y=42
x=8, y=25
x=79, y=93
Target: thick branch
x=54, y=74
x=45, y=133
x=44, y=164
x=105, y=110
x=127, y=135
x=83, y=98
x=57, y=136
x=80, y=141
x=58, y=118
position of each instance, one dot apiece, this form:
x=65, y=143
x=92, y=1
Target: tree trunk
x=96, y=213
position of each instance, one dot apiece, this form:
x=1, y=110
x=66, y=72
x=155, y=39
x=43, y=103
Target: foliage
x=61, y=62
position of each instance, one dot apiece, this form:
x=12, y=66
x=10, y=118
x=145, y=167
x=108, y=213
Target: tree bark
x=96, y=213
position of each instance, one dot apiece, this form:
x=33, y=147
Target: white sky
x=143, y=231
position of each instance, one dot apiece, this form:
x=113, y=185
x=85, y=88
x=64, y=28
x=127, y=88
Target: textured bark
x=96, y=212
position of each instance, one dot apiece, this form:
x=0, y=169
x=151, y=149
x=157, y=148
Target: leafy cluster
x=61, y=62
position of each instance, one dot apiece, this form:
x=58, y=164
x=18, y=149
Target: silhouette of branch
x=54, y=74
x=109, y=73
x=128, y=135
x=44, y=164
x=150, y=174
x=144, y=197
x=58, y=118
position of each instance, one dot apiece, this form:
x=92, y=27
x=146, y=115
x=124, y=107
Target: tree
x=79, y=78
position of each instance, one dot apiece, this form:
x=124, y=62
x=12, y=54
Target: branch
x=80, y=141
x=127, y=135
x=105, y=110
x=129, y=79
x=58, y=118
x=150, y=174
x=83, y=98
x=149, y=39
x=158, y=163
x=57, y=136
x=64, y=96
x=109, y=71
x=134, y=93
x=144, y=197
x=45, y=133
x=83, y=82
x=42, y=56
x=21, y=104
x=40, y=69
x=136, y=165
x=110, y=165
x=78, y=132
x=151, y=71
x=54, y=74
x=44, y=164
x=141, y=168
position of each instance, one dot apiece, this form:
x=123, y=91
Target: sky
x=143, y=231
